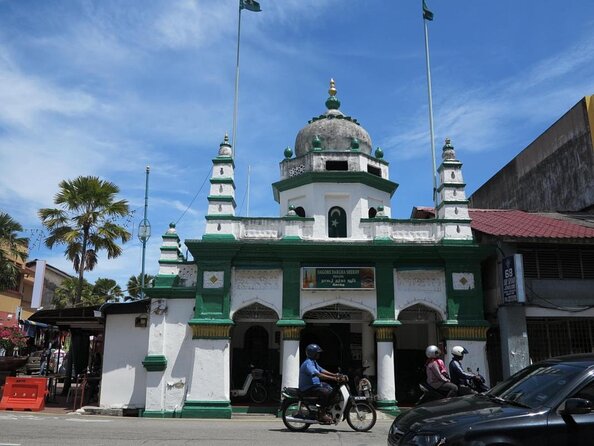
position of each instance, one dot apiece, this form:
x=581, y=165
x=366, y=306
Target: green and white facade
x=333, y=268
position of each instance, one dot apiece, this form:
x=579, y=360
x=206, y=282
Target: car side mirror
x=577, y=406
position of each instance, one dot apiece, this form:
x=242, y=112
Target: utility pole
x=144, y=231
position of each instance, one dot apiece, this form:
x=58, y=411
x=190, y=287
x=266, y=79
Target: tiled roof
x=520, y=224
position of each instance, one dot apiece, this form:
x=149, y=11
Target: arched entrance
x=255, y=340
x=418, y=330
x=340, y=331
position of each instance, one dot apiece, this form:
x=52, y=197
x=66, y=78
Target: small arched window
x=337, y=224
x=300, y=211
x=372, y=212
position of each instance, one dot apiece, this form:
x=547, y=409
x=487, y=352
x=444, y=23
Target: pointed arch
x=337, y=222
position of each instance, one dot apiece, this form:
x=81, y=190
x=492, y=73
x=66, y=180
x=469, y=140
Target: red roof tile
x=514, y=223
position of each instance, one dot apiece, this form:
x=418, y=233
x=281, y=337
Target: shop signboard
x=513, y=279
x=332, y=278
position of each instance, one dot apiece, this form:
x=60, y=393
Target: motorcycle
x=475, y=385
x=478, y=383
x=254, y=385
x=299, y=412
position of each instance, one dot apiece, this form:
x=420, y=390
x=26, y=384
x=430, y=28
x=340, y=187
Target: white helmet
x=432, y=352
x=458, y=350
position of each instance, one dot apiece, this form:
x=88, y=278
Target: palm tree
x=65, y=294
x=133, y=285
x=12, y=247
x=85, y=222
x=107, y=290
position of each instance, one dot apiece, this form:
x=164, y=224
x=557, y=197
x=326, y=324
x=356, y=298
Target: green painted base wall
x=389, y=407
x=207, y=409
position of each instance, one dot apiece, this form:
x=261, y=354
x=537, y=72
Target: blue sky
x=106, y=87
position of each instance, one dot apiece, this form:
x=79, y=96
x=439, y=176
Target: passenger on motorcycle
x=457, y=373
x=437, y=375
x=310, y=380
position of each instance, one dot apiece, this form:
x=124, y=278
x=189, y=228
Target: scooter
x=428, y=393
x=478, y=383
x=475, y=385
x=299, y=412
x=254, y=385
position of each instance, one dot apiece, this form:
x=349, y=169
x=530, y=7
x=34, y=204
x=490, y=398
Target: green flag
x=250, y=5
x=427, y=15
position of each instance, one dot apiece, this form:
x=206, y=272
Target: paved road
x=27, y=429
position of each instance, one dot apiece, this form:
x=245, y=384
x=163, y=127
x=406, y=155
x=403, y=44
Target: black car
x=546, y=404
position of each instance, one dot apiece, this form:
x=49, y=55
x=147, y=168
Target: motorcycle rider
x=310, y=380
x=457, y=373
x=437, y=375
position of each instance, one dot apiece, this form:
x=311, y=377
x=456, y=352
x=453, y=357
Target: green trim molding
x=207, y=409
x=155, y=363
x=334, y=177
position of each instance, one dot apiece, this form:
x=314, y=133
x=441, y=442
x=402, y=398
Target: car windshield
x=536, y=385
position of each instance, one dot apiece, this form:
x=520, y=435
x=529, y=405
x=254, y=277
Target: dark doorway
x=335, y=342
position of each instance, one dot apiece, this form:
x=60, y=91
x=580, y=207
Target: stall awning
x=68, y=318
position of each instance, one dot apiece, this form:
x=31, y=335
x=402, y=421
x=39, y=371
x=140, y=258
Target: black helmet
x=312, y=349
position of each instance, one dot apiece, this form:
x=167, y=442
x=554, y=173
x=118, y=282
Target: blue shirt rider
x=310, y=380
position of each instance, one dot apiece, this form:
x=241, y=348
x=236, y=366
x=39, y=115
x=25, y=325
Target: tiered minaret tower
x=221, y=199
x=452, y=204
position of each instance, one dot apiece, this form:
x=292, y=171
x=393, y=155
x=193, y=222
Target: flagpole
x=428, y=66
x=248, y=190
x=233, y=140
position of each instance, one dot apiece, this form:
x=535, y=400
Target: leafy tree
x=85, y=223
x=65, y=294
x=134, y=284
x=12, y=247
x=107, y=290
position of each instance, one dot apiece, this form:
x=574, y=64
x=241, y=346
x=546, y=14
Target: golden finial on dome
x=332, y=90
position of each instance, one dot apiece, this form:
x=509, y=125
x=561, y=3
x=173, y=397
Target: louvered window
x=560, y=263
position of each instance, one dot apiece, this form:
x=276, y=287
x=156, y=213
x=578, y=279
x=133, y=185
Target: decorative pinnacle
x=448, y=150
x=226, y=139
x=332, y=103
x=332, y=90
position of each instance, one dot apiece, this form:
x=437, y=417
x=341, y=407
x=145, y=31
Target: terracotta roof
x=520, y=224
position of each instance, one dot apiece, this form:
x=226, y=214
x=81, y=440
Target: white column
x=386, y=382
x=368, y=350
x=210, y=371
x=290, y=356
x=291, y=363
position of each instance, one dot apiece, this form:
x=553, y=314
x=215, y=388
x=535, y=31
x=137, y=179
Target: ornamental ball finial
x=288, y=152
x=332, y=90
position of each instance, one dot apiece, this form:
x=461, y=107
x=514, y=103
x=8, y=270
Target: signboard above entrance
x=332, y=278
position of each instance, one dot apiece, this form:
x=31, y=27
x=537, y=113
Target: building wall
x=123, y=382
x=554, y=173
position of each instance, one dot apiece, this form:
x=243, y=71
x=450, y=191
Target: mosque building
x=333, y=269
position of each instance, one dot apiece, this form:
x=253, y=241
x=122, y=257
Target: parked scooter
x=254, y=385
x=360, y=384
x=300, y=412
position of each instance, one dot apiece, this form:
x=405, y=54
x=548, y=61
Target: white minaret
x=221, y=199
x=452, y=205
